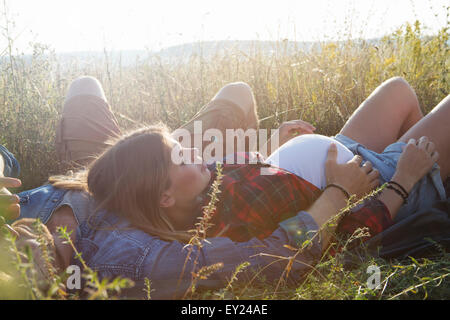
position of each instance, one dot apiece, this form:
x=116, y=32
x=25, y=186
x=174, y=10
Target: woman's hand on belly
x=352, y=177
x=355, y=179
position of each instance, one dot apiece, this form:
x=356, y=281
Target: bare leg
x=435, y=126
x=86, y=124
x=384, y=116
x=232, y=107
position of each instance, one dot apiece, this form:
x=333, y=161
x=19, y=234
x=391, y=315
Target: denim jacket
x=112, y=248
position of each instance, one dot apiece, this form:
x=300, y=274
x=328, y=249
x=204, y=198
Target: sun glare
x=133, y=24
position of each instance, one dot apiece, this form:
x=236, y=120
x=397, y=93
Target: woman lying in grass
x=252, y=204
x=139, y=211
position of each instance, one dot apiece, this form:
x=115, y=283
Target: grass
x=322, y=86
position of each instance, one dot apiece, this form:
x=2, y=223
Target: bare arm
x=355, y=179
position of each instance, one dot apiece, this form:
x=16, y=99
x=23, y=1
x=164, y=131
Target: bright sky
x=79, y=25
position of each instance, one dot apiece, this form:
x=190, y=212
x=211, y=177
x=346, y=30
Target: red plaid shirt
x=252, y=204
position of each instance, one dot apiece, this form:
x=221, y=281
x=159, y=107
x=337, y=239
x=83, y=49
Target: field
x=322, y=85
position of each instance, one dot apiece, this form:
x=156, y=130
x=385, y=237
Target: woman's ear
x=167, y=200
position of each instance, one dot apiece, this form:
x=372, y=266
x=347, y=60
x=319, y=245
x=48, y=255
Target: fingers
x=11, y=230
x=375, y=184
x=374, y=175
x=9, y=182
x=422, y=143
x=425, y=144
x=367, y=167
x=9, y=206
x=11, y=212
x=299, y=126
x=332, y=154
x=303, y=131
x=303, y=124
x=296, y=131
x=9, y=199
x=430, y=147
x=357, y=159
x=435, y=156
x=9, y=203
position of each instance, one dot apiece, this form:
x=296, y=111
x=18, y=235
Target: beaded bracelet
x=400, y=193
x=340, y=188
x=401, y=187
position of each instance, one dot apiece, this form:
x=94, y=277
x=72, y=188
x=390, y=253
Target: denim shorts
x=424, y=194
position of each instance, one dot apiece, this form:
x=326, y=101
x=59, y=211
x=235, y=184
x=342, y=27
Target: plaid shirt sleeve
x=373, y=214
x=254, y=209
x=253, y=204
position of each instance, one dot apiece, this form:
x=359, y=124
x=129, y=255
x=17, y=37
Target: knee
x=240, y=93
x=402, y=89
x=86, y=81
x=240, y=89
x=86, y=85
x=241, y=86
x=398, y=84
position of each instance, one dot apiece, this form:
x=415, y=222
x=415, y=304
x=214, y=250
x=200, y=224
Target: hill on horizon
x=186, y=50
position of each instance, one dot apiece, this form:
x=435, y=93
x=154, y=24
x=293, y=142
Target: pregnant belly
x=305, y=156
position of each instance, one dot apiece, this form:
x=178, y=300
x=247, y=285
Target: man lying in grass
x=144, y=203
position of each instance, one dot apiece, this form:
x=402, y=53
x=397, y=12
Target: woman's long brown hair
x=129, y=179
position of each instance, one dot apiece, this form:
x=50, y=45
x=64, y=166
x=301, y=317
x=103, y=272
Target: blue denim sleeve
x=12, y=167
x=267, y=256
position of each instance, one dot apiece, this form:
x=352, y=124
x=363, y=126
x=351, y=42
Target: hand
x=9, y=203
x=353, y=177
x=293, y=128
x=416, y=160
x=34, y=236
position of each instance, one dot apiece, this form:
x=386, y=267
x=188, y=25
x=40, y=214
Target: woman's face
x=188, y=176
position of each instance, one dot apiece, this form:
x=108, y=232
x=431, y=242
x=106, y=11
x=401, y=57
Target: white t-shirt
x=305, y=156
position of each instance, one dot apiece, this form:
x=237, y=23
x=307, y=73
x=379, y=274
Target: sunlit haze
x=134, y=24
